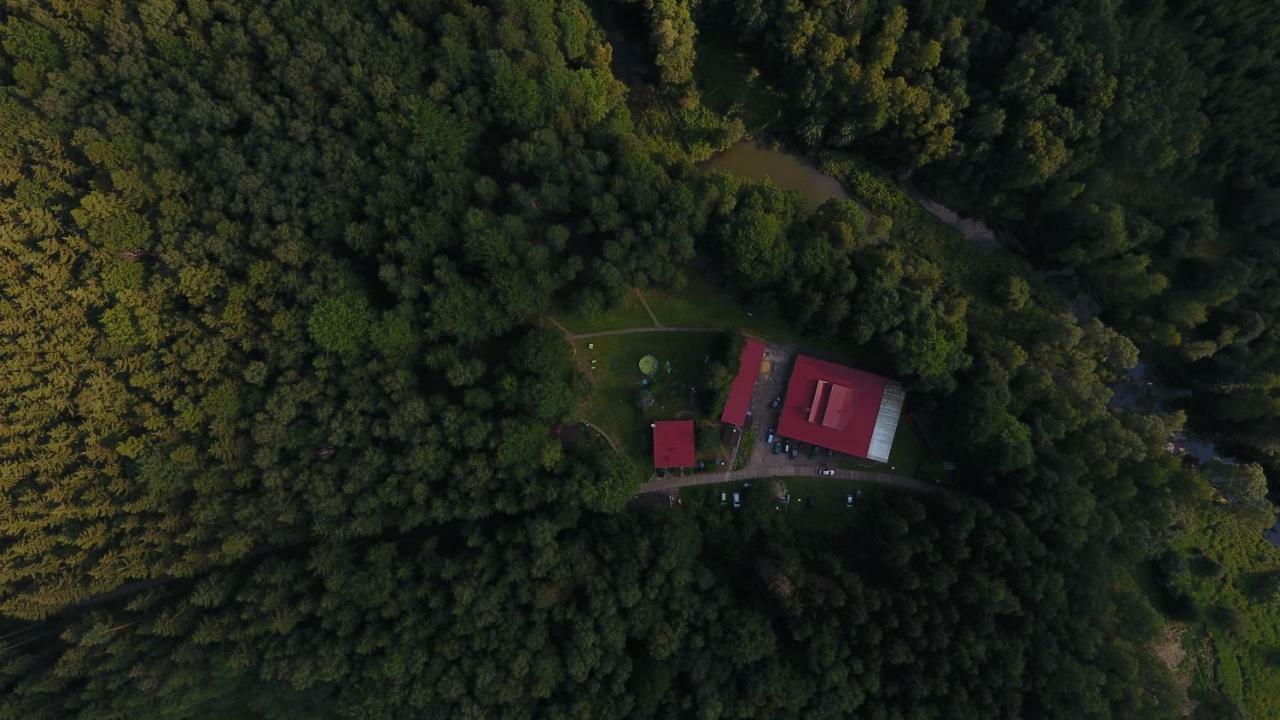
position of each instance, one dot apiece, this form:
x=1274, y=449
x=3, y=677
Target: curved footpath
x=669, y=483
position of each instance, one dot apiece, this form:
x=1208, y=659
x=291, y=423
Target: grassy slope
x=701, y=303
x=629, y=314
x=909, y=457
x=1245, y=665
x=617, y=377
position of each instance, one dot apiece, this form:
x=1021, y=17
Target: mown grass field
x=629, y=314
x=701, y=303
x=617, y=380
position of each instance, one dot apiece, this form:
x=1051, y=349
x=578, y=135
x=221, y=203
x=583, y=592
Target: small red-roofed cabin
x=673, y=444
x=744, y=384
x=840, y=408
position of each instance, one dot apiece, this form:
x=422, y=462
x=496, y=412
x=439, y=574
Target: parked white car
x=737, y=500
x=826, y=472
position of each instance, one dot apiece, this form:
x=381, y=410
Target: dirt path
x=607, y=438
x=647, y=309
x=756, y=472
x=559, y=327
x=1173, y=655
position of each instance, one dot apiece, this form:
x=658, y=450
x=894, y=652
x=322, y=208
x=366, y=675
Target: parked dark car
x=777, y=403
x=777, y=448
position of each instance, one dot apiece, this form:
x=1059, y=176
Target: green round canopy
x=648, y=364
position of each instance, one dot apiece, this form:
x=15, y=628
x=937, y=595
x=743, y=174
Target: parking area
x=769, y=391
x=815, y=504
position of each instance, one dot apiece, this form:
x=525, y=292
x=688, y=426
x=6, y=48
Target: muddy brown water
x=751, y=160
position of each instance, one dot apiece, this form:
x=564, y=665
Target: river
x=751, y=160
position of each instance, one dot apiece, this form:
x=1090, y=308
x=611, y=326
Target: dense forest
x=1131, y=148
x=278, y=404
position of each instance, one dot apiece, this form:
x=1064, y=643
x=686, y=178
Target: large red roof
x=735, y=408
x=673, y=444
x=831, y=406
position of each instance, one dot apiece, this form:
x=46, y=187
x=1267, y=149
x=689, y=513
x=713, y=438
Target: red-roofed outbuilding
x=744, y=384
x=837, y=407
x=673, y=444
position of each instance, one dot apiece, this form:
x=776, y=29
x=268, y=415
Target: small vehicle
x=848, y=501
x=786, y=447
x=827, y=472
x=769, y=438
x=746, y=483
x=813, y=451
x=777, y=403
x=795, y=451
x=737, y=500
x=723, y=497
x=777, y=448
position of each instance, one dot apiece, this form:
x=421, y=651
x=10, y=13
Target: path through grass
x=617, y=381
x=628, y=314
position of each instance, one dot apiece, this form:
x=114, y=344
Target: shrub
x=878, y=194
x=1205, y=566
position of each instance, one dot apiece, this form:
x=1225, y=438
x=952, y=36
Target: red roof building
x=673, y=444
x=739, y=401
x=840, y=408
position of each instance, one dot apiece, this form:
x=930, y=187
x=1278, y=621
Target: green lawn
x=701, y=303
x=910, y=457
x=745, y=449
x=617, y=379
x=826, y=513
x=629, y=314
